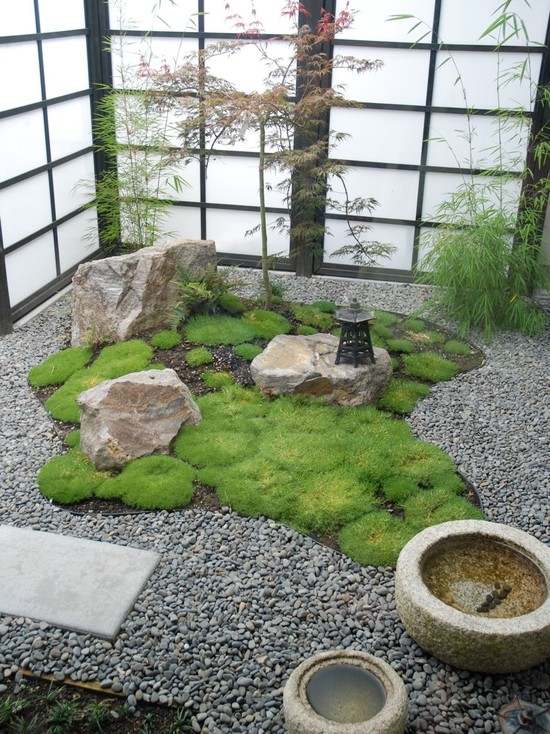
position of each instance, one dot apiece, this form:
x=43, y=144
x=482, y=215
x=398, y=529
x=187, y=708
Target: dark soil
x=43, y=706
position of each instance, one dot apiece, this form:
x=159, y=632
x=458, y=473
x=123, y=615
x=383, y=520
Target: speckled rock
x=135, y=415
x=118, y=297
x=469, y=641
x=306, y=365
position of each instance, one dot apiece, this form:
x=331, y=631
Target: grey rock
x=306, y=365
x=118, y=297
x=134, y=415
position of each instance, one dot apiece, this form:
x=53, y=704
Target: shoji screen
x=220, y=200
x=46, y=159
x=406, y=147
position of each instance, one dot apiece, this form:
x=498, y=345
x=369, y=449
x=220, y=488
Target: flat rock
x=77, y=584
x=135, y=415
x=307, y=364
x=118, y=297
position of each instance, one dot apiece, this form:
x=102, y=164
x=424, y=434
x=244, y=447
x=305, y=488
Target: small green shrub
x=429, y=366
x=231, y=303
x=376, y=539
x=215, y=330
x=453, y=346
x=325, y=306
x=401, y=396
x=199, y=356
x=69, y=478
x=386, y=318
x=311, y=316
x=167, y=339
x=55, y=370
x=401, y=345
x=412, y=324
x=247, y=351
x=384, y=332
x=217, y=380
x=114, y=361
x=304, y=330
x=202, y=295
x=72, y=439
x=267, y=324
x=151, y=483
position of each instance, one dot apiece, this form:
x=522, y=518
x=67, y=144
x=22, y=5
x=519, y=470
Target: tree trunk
x=263, y=220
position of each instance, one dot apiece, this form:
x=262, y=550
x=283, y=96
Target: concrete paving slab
x=77, y=584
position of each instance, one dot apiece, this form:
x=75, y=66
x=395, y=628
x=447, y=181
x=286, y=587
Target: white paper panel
x=70, y=126
x=190, y=174
x=218, y=19
x=401, y=141
x=465, y=21
x=19, y=75
x=24, y=208
x=371, y=21
x=399, y=236
x=395, y=191
x=17, y=18
x=460, y=142
x=440, y=186
x=232, y=180
x=65, y=65
x=227, y=228
x=182, y=221
x=250, y=141
x=403, y=79
x=427, y=238
x=30, y=268
x=479, y=72
x=154, y=15
x=78, y=239
x=245, y=68
x=22, y=144
x=73, y=184
x=161, y=176
x=128, y=51
x=61, y=15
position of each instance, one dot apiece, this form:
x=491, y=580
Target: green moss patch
x=267, y=324
x=199, y=356
x=385, y=317
x=311, y=316
x=401, y=396
x=454, y=346
x=166, y=339
x=72, y=439
x=325, y=306
x=151, y=483
x=231, y=303
x=415, y=325
x=69, y=478
x=401, y=345
x=217, y=380
x=60, y=366
x=247, y=351
x=429, y=366
x=376, y=539
x=304, y=330
x=384, y=332
x=216, y=330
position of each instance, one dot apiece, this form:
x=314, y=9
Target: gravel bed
x=236, y=603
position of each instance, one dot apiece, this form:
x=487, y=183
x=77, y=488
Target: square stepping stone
x=77, y=584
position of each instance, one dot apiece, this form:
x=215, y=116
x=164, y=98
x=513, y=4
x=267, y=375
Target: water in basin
x=347, y=694
x=484, y=577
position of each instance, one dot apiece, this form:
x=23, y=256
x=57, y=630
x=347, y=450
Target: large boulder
x=135, y=415
x=307, y=364
x=119, y=297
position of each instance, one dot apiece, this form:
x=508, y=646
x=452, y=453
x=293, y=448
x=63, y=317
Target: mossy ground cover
x=354, y=475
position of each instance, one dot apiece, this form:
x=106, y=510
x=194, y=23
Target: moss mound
x=325, y=306
x=60, y=366
x=429, y=366
x=376, y=539
x=267, y=324
x=72, y=439
x=304, y=330
x=415, y=325
x=215, y=330
x=69, y=478
x=199, y=356
x=454, y=346
x=217, y=380
x=114, y=361
x=384, y=332
x=151, y=483
x=385, y=317
x=401, y=396
x=401, y=345
x=231, y=303
x=312, y=316
x=166, y=339
x=247, y=351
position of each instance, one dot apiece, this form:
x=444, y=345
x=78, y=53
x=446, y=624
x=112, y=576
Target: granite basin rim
x=417, y=549
x=301, y=717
